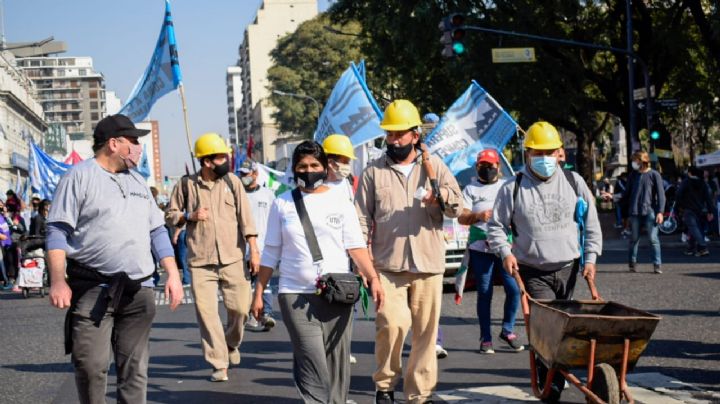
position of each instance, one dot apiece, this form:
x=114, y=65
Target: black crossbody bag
x=339, y=288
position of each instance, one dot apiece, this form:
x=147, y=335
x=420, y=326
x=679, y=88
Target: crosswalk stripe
x=187, y=297
x=646, y=388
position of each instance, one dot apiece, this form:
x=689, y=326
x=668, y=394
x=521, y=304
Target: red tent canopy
x=73, y=158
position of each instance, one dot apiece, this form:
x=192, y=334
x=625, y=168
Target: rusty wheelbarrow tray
x=606, y=338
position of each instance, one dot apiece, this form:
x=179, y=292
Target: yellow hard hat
x=542, y=136
x=340, y=145
x=400, y=115
x=209, y=144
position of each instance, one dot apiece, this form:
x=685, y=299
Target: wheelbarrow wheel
x=605, y=384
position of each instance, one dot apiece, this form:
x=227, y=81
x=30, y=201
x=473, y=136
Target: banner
x=273, y=179
x=161, y=76
x=351, y=110
x=473, y=123
x=45, y=172
x=143, y=167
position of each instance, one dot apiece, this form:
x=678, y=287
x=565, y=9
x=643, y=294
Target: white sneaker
x=252, y=324
x=353, y=360
x=268, y=322
x=440, y=352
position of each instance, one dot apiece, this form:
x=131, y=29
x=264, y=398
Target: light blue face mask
x=544, y=166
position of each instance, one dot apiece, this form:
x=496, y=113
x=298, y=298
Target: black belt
x=81, y=279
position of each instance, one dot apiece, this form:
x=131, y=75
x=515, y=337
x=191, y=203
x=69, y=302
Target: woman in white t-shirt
x=480, y=197
x=319, y=331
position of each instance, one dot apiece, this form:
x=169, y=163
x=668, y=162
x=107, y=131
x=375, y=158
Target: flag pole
x=181, y=88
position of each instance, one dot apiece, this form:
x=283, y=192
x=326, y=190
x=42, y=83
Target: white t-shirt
x=343, y=187
x=337, y=229
x=260, y=200
x=479, y=197
x=405, y=168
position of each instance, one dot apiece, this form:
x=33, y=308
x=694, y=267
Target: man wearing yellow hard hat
x=340, y=153
x=538, y=208
x=402, y=221
x=216, y=208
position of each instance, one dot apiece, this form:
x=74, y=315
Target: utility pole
x=631, y=136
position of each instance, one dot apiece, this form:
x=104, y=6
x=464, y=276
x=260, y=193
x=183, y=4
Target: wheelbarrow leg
x=623, y=372
x=591, y=363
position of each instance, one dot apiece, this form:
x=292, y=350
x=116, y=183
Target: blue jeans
x=693, y=223
x=483, y=265
x=652, y=228
x=267, y=297
x=182, y=257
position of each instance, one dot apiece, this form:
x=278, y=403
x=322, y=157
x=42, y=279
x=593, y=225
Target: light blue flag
x=143, y=167
x=351, y=110
x=45, y=172
x=473, y=123
x=161, y=76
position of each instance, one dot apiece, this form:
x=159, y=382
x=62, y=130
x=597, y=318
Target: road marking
x=187, y=297
x=647, y=388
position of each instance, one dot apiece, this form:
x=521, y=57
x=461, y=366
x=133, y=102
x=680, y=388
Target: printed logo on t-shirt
x=334, y=220
x=262, y=204
x=548, y=216
x=139, y=195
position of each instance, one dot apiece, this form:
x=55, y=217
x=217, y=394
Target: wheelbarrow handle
x=591, y=285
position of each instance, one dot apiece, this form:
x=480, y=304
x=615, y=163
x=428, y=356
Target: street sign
x=513, y=55
x=641, y=94
x=641, y=105
x=667, y=103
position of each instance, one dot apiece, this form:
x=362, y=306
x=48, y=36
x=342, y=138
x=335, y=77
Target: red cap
x=488, y=156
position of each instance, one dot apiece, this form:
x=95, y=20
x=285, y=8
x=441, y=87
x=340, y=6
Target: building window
x=93, y=105
x=94, y=116
x=93, y=84
x=82, y=72
x=93, y=94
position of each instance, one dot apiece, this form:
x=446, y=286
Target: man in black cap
x=107, y=226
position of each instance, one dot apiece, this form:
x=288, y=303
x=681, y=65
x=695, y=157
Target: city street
x=681, y=363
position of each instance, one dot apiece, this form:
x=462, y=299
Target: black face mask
x=310, y=180
x=487, y=175
x=399, y=153
x=222, y=169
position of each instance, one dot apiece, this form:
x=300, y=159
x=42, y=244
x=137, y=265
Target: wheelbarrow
x=606, y=338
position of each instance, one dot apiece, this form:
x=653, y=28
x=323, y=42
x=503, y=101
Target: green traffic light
x=654, y=135
x=458, y=48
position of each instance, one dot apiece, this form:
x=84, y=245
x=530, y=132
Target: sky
x=120, y=36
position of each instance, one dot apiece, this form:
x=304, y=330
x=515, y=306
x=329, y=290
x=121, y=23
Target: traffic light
x=452, y=35
x=655, y=133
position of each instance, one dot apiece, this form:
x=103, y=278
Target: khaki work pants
x=234, y=283
x=412, y=302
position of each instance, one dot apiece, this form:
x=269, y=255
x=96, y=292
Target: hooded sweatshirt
x=546, y=236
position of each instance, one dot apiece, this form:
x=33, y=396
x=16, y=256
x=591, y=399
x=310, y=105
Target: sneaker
x=268, y=322
x=656, y=269
x=487, y=348
x=252, y=324
x=234, y=356
x=689, y=251
x=440, y=352
x=618, y=226
x=384, y=397
x=219, y=375
x=353, y=360
x=631, y=267
x=702, y=253
x=512, y=340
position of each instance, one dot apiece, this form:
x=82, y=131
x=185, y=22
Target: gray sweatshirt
x=547, y=235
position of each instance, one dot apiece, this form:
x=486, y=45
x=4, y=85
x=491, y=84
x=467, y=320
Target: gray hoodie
x=547, y=235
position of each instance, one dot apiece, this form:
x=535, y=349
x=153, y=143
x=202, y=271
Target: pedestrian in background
x=319, y=330
x=261, y=198
x=401, y=220
x=104, y=221
x=695, y=202
x=214, y=207
x=479, y=197
x=646, y=203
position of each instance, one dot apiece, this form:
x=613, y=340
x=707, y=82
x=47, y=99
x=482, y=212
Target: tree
x=308, y=62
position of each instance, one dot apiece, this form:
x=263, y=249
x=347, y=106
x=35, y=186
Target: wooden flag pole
x=181, y=88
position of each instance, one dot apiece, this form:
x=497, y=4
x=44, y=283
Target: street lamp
x=307, y=97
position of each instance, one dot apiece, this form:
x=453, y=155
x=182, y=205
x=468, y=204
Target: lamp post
x=303, y=96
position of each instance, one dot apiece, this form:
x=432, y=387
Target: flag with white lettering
x=351, y=110
x=161, y=76
x=473, y=123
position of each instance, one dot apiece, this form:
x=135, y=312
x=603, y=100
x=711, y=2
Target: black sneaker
x=689, y=251
x=702, y=253
x=384, y=397
x=656, y=269
x=512, y=340
x=631, y=267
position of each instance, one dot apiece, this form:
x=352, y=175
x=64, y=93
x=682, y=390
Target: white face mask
x=343, y=170
x=635, y=165
x=133, y=157
x=247, y=180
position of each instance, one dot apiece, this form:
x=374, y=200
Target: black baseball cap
x=115, y=126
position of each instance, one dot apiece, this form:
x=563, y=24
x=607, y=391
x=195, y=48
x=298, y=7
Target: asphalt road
x=685, y=348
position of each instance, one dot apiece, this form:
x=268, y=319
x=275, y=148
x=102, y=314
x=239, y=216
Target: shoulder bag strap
x=307, y=226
